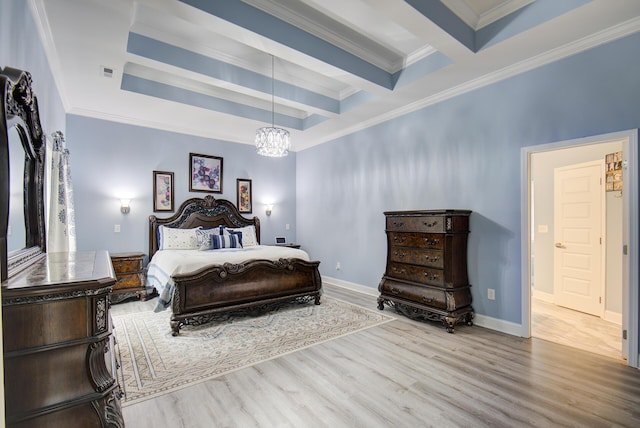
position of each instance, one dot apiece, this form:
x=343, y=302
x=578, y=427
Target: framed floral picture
x=206, y=173
x=243, y=191
x=162, y=191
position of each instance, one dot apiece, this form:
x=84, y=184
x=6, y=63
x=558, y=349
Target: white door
x=578, y=233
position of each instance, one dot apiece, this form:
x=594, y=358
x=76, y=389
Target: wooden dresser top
x=428, y=212
x=62, y=272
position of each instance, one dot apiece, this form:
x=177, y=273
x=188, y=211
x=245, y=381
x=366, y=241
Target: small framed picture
x=162, y=191
x=206, y=173
x=243, y=191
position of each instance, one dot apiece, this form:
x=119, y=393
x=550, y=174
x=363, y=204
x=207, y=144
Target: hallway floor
x=575, y=329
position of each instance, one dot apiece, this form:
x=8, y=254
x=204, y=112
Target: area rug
x=154, y=363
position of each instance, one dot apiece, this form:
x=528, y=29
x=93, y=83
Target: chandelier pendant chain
x=273, y=103
x=272, y=141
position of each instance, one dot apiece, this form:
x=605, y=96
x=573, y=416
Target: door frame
x=603, y=231
x=630, y=230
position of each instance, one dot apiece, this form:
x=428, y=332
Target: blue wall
x=21, y=48
x=462, y=153
x=110, y=160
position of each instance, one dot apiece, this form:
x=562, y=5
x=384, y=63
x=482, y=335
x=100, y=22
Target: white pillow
x=248, y=235
x=204, y=236
x=178, y=239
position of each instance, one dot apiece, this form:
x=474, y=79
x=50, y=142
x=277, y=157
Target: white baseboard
x=543, y=296
x=351, y=286
x=502, y=326
x=613, y=317
x=480, y=320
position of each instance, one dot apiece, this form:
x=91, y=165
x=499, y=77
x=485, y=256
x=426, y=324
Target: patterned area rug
x=154, y=363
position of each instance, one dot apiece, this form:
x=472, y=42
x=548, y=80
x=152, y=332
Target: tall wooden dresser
x=59, y=357
x=426, y=273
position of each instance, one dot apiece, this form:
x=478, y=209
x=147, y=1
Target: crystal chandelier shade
x=270, y=140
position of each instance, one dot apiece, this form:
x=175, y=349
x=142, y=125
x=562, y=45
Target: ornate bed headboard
x=207, y=212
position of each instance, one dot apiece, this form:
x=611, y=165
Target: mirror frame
x=19, y=107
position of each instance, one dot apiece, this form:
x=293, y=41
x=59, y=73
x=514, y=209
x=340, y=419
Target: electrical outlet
x=338, y=266
x=286, y=226
x=491, y=294
x=116, y=228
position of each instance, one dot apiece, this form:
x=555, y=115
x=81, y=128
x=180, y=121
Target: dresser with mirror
x=58, y=347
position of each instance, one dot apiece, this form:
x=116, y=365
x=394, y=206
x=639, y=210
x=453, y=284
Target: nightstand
x=130, y=277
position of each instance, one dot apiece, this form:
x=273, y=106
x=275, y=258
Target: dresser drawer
x=428, y=224
x=430, y=297
x=419, y=274
x=416, y=256
x=424, y=295
x=127, y=265
x=127, y=280
x=418, y=240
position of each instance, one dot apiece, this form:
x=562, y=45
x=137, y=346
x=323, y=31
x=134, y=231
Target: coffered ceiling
x=205, y=67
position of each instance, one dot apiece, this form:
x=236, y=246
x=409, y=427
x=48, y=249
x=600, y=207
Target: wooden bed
x=231, y=287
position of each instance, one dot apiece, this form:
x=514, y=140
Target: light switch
x=543, y=228
x=116, y=228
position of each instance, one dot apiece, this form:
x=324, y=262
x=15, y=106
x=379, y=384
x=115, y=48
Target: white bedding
x=166, y=263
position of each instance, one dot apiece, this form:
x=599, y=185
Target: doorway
x=539, y=245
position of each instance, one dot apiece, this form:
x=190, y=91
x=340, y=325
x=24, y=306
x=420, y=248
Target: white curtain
x=62, y=224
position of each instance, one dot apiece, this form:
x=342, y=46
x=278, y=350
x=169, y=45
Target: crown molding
x=499, y=12
x=163, y=126
x=43, y=27
x=477, y=21
x=327, y=34
x=597, y=39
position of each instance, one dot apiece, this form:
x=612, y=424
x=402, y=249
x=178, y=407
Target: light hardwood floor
x=410, y=374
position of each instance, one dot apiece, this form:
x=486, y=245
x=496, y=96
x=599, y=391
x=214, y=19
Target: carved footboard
x=231, y=287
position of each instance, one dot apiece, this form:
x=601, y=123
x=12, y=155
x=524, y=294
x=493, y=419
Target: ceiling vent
x=106, y=71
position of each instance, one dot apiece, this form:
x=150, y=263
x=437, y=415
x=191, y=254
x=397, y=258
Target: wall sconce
x=269, y=209
x=124, y=205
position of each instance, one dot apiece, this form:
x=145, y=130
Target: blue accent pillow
x=218, y=242
x=237, y=234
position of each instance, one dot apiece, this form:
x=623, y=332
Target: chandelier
x=272, y=141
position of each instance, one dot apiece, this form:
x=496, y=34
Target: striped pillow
x=247, y=233
x=218, y=242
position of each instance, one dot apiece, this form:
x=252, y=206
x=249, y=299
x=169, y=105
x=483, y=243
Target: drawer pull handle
x=432, y=276
x=428, y=241
x=427, y=299
x=431, y=259
x=396, y=270
x=398, y=223
x=399, y=239
x=395, y=291
x=426, y=223
x=400, y=255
